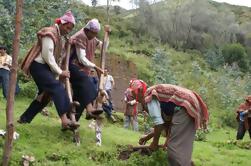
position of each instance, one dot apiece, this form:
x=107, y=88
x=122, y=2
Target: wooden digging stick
x=74, y=104
x=101, y=87
x=103, y=56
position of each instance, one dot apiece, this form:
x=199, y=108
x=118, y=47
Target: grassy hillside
x=44, y=140
x=222, y=88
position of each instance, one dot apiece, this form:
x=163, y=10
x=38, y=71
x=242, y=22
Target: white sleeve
x=112, y=79
x=9, y=60
x=82, y=58
x=132, y=102
x=47, y=55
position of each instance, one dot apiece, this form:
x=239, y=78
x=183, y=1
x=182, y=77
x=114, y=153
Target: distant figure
x=188, y=112
x=131, y=111
x=5, y=64
x=108, y=85
x=244, y=118
x=106, y=104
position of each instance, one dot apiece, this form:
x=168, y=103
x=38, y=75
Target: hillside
x=44, y=140
x=192, y=43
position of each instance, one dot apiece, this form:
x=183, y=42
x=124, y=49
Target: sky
x=127, y=5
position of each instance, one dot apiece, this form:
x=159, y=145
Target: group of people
x=175, y=110
x=45, y=61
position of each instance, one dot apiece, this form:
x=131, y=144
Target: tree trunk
x=12, y=87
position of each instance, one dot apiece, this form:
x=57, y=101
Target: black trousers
x=84, y=90
x=46, y=82
x=242, y=130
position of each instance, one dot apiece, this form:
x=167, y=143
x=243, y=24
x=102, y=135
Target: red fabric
x=243, y=107
x=137, y=84
x=129, y=97
x=58, y=21
x=186, y=98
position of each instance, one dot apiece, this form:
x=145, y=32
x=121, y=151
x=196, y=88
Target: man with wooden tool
x=43, y=64
x=84, y=44
x=188, y=112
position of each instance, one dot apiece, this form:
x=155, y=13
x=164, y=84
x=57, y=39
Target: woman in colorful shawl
x=188, y=112
x=84, y=44
x=43, y=64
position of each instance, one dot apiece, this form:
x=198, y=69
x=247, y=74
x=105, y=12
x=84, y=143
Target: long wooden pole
x=12, y=87
x=98, y=124
x=103, y=55
x=74, y=104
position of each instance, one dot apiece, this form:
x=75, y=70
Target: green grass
x=44, y=140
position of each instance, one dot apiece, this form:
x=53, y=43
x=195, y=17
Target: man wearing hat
x=5, y=64
x=43, y=64
x=188, y=112
x=84, y=44
x=244, y=118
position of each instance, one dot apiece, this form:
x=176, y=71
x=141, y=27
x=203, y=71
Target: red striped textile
x=186, y=98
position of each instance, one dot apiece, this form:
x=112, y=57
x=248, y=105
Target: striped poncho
x=186, y=98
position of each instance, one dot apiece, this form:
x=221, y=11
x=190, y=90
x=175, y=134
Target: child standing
x=131, y=111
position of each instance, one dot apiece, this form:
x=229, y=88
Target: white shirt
x=108, y=82
x=81, y=53
x=46, y=55
x=6, y=59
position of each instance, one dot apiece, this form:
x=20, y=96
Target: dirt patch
x=125, y=153
x=122, y=71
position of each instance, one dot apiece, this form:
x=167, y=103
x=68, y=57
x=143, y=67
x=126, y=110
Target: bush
x=201, y=136
x=227, y=118
x=28, y=89
x=214, y=58
x=235, y=53
x=161, y=66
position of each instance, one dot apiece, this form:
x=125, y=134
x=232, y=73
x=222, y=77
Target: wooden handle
x=103, y=54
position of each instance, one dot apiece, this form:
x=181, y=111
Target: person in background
x=106, y=104
x=43, y=64
x=131, y=111
x=109, y=85
x=244, y=118
x=5, y=64
x=188, y=112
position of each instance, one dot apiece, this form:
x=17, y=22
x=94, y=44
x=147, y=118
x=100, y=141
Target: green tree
x=94, y=3
x=235, y=54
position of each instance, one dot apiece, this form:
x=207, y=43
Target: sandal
x=93, y=115
x=70, y=126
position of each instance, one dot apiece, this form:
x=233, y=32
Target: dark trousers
x=242, y=130
x=84, y=91
x=109, y=93
x=5, y=78
x=46, y=82
x=107, y=107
